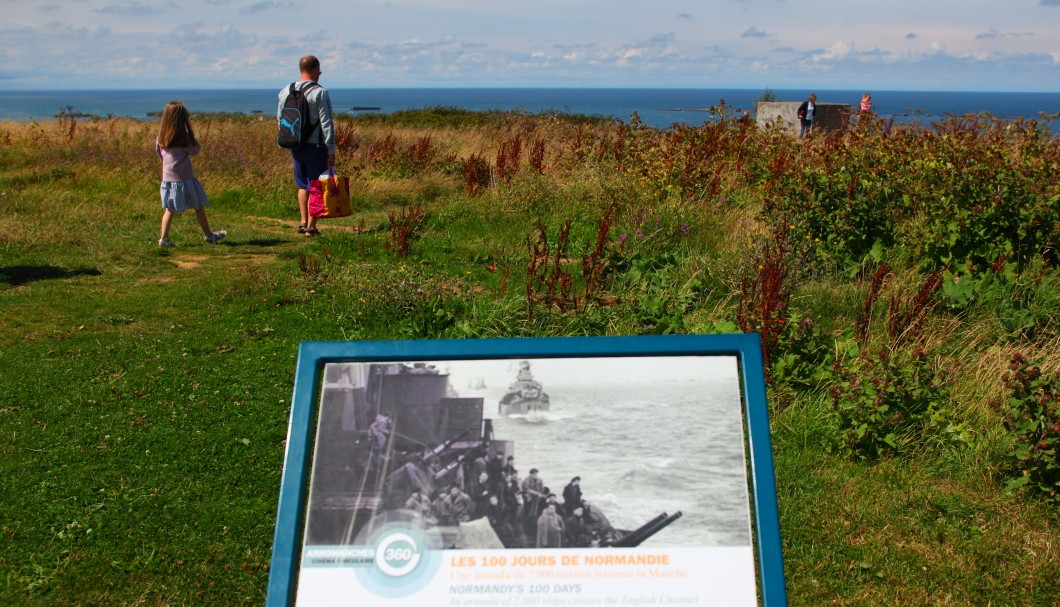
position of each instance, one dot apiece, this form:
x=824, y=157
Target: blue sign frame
x=312, y=357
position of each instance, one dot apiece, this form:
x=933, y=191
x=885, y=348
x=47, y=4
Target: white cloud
x=837, y=52
x=663, y=39
x=754, y=32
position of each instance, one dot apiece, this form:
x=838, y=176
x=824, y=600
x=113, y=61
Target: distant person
x=806, y=113
x=180, y=189
x=317, y=155
x=866, y=103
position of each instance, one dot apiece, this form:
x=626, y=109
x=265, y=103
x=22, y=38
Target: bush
x=885, y=401
x=1032, y=419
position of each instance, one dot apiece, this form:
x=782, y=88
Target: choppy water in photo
x=642, y=449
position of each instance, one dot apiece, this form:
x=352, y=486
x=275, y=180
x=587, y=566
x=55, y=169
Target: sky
x=959, y=45
x=566, y=371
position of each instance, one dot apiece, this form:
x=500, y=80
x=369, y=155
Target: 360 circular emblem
x=397, y=554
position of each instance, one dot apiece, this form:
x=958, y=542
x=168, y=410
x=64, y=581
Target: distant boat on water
x=525, y=397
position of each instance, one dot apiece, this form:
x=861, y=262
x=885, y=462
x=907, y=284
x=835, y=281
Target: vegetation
x=904, y=280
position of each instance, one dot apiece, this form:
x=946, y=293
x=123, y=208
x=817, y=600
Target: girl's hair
x=175, y=129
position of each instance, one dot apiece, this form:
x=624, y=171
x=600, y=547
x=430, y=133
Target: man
x=379, y=431
x=578, y=533
x=533, y=492
x=419, y=503
x=495, y=469
x=550, y=528
x=318, y=154
x=481, y=493
x=572, y=495
x=805, y=114
x=459, y=506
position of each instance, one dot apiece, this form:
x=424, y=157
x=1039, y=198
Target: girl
x=866, y=104
x=180, y=189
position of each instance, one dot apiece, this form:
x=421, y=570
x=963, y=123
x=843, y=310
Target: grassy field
x=892, y=271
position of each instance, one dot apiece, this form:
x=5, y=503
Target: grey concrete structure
x=828, y=117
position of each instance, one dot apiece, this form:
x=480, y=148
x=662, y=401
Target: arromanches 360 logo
x=402, y=561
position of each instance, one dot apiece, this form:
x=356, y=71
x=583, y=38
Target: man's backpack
x=295, y=120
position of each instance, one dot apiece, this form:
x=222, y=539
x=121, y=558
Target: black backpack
x=295, y=120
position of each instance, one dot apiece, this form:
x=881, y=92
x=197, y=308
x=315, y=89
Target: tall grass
x=144, y=392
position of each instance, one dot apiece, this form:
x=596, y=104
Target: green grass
x=144, y=393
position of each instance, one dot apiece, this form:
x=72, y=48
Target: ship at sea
x=525, y=397
x=394, y=439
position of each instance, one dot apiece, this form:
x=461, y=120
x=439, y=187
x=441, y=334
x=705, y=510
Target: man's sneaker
x=215, y=237
x=165, y=242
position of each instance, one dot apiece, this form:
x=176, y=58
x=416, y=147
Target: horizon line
x=536, y=87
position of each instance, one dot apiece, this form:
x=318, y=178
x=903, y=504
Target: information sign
x=552, y=471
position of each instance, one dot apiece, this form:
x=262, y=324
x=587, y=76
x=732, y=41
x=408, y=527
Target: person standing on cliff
x=805, y=114
x=317, y=155
x=865, y=108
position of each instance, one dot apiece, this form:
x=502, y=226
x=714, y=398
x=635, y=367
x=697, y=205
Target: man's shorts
x=310, y=162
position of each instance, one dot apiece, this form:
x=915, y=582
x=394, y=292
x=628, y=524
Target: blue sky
x=987, y=45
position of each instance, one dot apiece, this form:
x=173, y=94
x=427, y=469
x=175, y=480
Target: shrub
x=885, y=401
x=405, y=228
x=1032, y=419
x=476, y=175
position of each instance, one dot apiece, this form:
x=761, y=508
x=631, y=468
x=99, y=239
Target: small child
x=180, y=189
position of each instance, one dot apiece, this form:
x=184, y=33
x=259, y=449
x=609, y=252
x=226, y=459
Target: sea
x=646, y=437
x=656, y=107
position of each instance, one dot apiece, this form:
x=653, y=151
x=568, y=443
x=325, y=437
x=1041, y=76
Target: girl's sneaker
x=215, y=237
x=165, y=242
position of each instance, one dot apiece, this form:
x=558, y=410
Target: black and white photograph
x=528, y=453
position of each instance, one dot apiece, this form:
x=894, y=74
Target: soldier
x=550, y=528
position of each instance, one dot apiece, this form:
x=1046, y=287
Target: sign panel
x=556, y=471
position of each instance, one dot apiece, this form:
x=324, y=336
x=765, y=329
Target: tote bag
x=329, y=197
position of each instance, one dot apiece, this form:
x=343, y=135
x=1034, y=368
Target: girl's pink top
x=176, y=162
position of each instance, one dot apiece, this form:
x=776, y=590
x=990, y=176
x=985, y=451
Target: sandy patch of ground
x=290, y=225
x=187, y=262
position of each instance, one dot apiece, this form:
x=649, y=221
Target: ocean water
x=659, y=108
x=641, y=449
